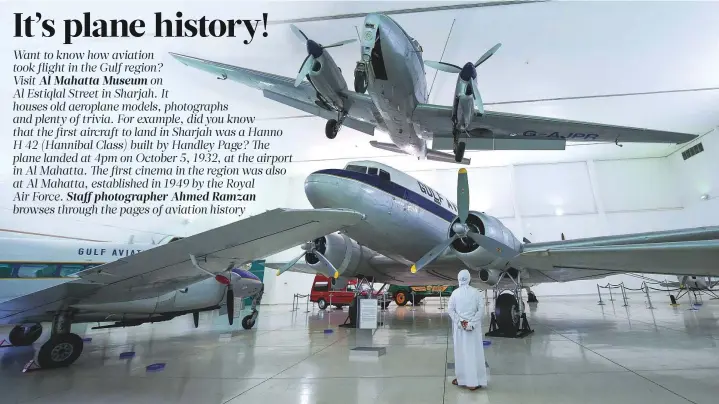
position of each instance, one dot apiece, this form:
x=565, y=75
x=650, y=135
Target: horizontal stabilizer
x=431, y=154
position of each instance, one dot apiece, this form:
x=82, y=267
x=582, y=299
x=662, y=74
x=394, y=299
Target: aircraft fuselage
x=396, y=80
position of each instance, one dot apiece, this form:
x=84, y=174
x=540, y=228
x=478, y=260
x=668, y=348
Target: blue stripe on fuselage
x=395, y=190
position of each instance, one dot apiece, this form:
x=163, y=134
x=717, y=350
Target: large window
x=36, y=271
x=71, y=269
x=5, y=270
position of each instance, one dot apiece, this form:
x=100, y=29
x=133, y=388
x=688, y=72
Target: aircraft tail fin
x=433, y=155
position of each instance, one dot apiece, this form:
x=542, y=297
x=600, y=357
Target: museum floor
x=580, y=353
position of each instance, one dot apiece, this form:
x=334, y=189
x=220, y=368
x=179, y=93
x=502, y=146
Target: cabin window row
x=39, y=270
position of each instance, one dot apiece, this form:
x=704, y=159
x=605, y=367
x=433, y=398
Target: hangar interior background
x=610, y=63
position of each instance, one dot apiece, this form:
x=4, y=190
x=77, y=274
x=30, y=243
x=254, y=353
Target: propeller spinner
x=314, y=51
x=467, y=73
x=463, y=230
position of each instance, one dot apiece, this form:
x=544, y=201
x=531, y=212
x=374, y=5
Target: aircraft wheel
x=459, y=152
x=532, y=298
x=248, y=322
x=322, y=304
x=19, y=336
x=331, y=129
x=338, y=306
x=400, y=298
x=506, y=310
x=59, y=351
x=360, y=82
x=385, y=305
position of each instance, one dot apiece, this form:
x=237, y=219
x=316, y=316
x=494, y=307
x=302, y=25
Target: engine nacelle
x=471, y=253
x=327, y=79
x=343, y=252
x=490, y=276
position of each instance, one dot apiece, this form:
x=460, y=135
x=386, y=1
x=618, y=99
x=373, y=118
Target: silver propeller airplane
x=65, y=282
x=413, y=235
x=391, y=73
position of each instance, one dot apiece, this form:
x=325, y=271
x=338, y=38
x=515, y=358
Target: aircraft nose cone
x=314, y=49
x=468, y=72
x=320, y=190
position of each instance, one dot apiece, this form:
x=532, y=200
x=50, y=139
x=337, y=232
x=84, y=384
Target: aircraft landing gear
x=360, y=78
x=458, y=146
x=249, y=320
x=333, y=126
x=509, y=319
x=25, y=336
x=63, y=348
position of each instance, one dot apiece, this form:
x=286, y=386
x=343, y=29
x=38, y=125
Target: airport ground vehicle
x=324, y=294
x=403, y=294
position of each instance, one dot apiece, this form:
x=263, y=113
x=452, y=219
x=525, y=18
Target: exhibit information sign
x=368, y=313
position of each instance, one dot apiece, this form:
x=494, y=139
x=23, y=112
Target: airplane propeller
x=468, y=73
x=314, y=51
x=463, y=230
x=224, y=280
x=311, y=247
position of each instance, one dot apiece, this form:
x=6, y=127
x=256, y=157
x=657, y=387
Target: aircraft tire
x=532, y=298
x=19, y=337
x=338, y=306
x=360, y=82
x=322, y=304
x=506, y=310
x=248, y=322
x=385, y=305
x=331, y=129
x=400, y=298
x=59, y=351
x=459, y=153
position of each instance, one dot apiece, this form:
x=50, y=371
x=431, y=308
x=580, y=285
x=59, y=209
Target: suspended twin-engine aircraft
x=413, y=235
x=391, y=73
x=67, y=281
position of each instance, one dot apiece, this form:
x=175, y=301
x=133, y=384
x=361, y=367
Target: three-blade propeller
x=311, y=247
x=462, y=230
x=314, y=51
x=467, y=73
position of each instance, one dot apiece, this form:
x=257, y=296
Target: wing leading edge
x=505, y=131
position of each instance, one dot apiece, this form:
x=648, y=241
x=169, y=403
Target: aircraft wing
x=362, y=115
x=679, y=258
x=505, y=131
x=168, y=267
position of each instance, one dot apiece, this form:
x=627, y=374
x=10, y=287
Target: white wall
x=579, y=199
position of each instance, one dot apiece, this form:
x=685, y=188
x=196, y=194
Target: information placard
x=368, y=313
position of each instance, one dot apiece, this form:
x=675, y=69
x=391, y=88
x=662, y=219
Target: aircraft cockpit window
x=357, y=169
x=372, y=170
x=384, y=175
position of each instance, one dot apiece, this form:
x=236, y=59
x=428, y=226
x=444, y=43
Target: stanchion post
x=611, y=297
x=601, y=303
x=307, y=305
x=649, y=299
x=624, y=294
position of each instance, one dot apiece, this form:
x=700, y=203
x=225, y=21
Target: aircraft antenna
x=441, y=57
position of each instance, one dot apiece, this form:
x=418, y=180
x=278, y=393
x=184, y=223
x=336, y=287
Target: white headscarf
x=463, y=278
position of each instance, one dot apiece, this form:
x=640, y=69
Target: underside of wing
x=675, y=258
x=34, y=307
x=362, y=115
x=505, y=131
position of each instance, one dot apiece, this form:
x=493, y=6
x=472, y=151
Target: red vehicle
x=323, y=294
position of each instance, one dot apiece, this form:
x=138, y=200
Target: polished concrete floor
x=580, y=353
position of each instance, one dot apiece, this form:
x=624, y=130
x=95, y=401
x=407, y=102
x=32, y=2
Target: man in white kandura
x=466, y=308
